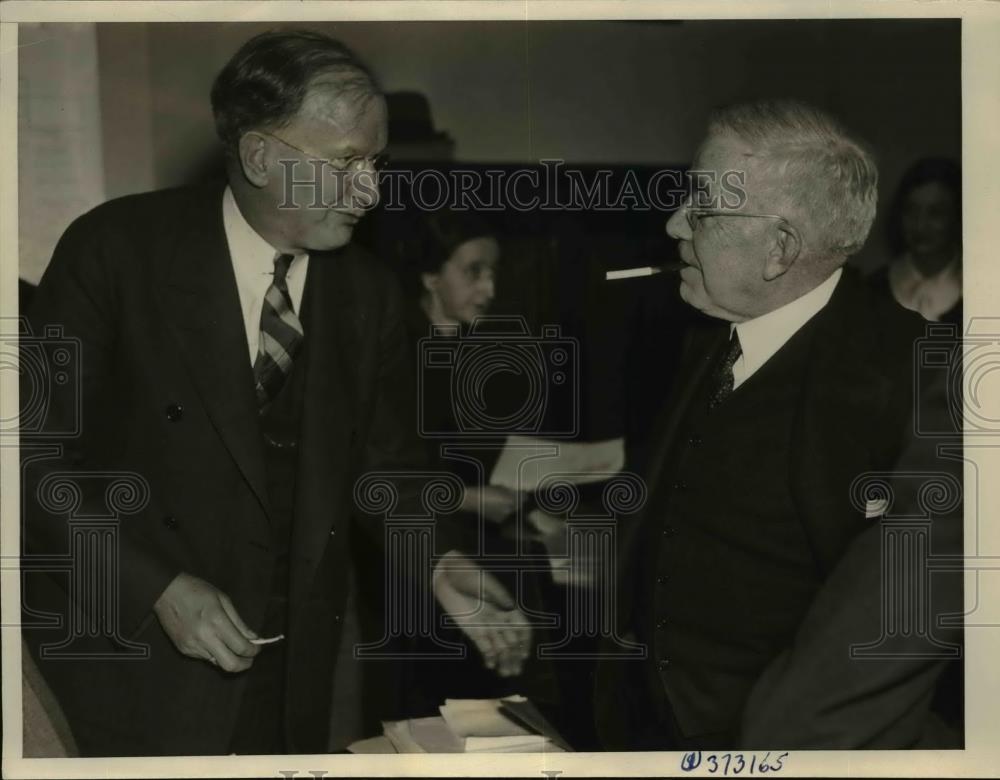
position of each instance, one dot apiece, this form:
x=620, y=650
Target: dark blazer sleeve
x=393, y=445
x=814, y=694
x=77, y=303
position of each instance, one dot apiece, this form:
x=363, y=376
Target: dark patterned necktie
x=722, y=376
x=280, y=336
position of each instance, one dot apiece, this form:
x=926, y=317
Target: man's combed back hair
x=827, y=178
x=265, y=82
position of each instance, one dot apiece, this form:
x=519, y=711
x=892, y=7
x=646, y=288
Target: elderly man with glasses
x=753, y=569
x=246, y=364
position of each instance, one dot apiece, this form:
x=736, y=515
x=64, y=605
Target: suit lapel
x=330, y=402
x=705, y=341
x=201, y=300
x=845, y=398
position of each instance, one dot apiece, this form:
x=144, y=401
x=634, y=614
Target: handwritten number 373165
x=732, y=763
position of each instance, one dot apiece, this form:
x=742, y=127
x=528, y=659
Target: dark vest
x=262, y=720
x=728, y=570
x=279, y=427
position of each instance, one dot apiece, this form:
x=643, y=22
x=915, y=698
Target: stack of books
x=509, y=725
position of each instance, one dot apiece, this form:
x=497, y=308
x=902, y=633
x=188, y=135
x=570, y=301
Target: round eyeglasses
x=353, y=164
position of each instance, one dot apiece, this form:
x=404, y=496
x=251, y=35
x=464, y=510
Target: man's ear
x=253, y=158
x=786, y=245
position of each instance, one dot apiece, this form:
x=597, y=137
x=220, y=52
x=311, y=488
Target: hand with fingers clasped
x=202, y=623
x=481, y=606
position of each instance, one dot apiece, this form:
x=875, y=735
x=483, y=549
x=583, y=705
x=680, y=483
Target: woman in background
x=925, y=238
x=456, y=260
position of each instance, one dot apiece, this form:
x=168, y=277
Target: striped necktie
x=280, y=336
x=722, y=376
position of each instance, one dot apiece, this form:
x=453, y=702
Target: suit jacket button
x=695, y=440
x=662, y=664
x=174, y=412
x=679, y=486
x=336, y=618
x=661, y=580
x=661, y=624
x=669, y=531
x=170, y=522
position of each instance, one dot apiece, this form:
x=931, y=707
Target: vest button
x=174, y=412
x=170, y=522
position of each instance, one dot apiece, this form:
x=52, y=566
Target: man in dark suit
x=805, y=385
x=241, y=364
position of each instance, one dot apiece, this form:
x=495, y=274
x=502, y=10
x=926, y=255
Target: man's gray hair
x=825, y=175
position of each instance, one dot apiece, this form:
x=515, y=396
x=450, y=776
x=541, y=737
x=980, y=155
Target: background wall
x=586, y=92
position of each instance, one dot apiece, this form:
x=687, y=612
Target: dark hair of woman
x=930, y=169
x=442, y=232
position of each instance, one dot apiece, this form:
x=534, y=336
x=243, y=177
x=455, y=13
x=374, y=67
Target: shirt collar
x=250, y=253
x=762, y=336
x=931, y=296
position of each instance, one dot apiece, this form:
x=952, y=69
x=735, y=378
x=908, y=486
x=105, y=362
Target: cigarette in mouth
x=646, y=270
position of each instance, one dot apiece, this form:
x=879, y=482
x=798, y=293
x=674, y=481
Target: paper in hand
x=270, y=640
x=526, y=460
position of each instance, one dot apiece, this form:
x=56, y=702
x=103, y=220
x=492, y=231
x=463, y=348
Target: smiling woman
x=461, y=286
x=925, y=238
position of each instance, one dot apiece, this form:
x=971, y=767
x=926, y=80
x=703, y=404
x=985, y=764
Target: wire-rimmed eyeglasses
x=693, y=215
x=352, y=164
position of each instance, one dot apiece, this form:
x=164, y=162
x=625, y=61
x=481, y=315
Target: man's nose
x=677, y=226
x=364, y=189
x=488, y=286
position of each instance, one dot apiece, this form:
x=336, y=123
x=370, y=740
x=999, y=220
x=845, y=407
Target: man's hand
x=202, y=622
x=484, y=610
x=497, y=502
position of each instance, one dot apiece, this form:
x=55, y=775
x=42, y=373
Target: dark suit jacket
x=146, y=286
x=854, y=415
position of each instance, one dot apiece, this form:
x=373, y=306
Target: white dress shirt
x=253, y=263
x=929, y=296
x=762, y=336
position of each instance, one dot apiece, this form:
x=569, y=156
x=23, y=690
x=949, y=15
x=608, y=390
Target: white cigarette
x=268, y=640
x=628, y=273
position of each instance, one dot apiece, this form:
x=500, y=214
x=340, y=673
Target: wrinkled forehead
x=344, y=120
x=721, y=152
x=724, y=160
